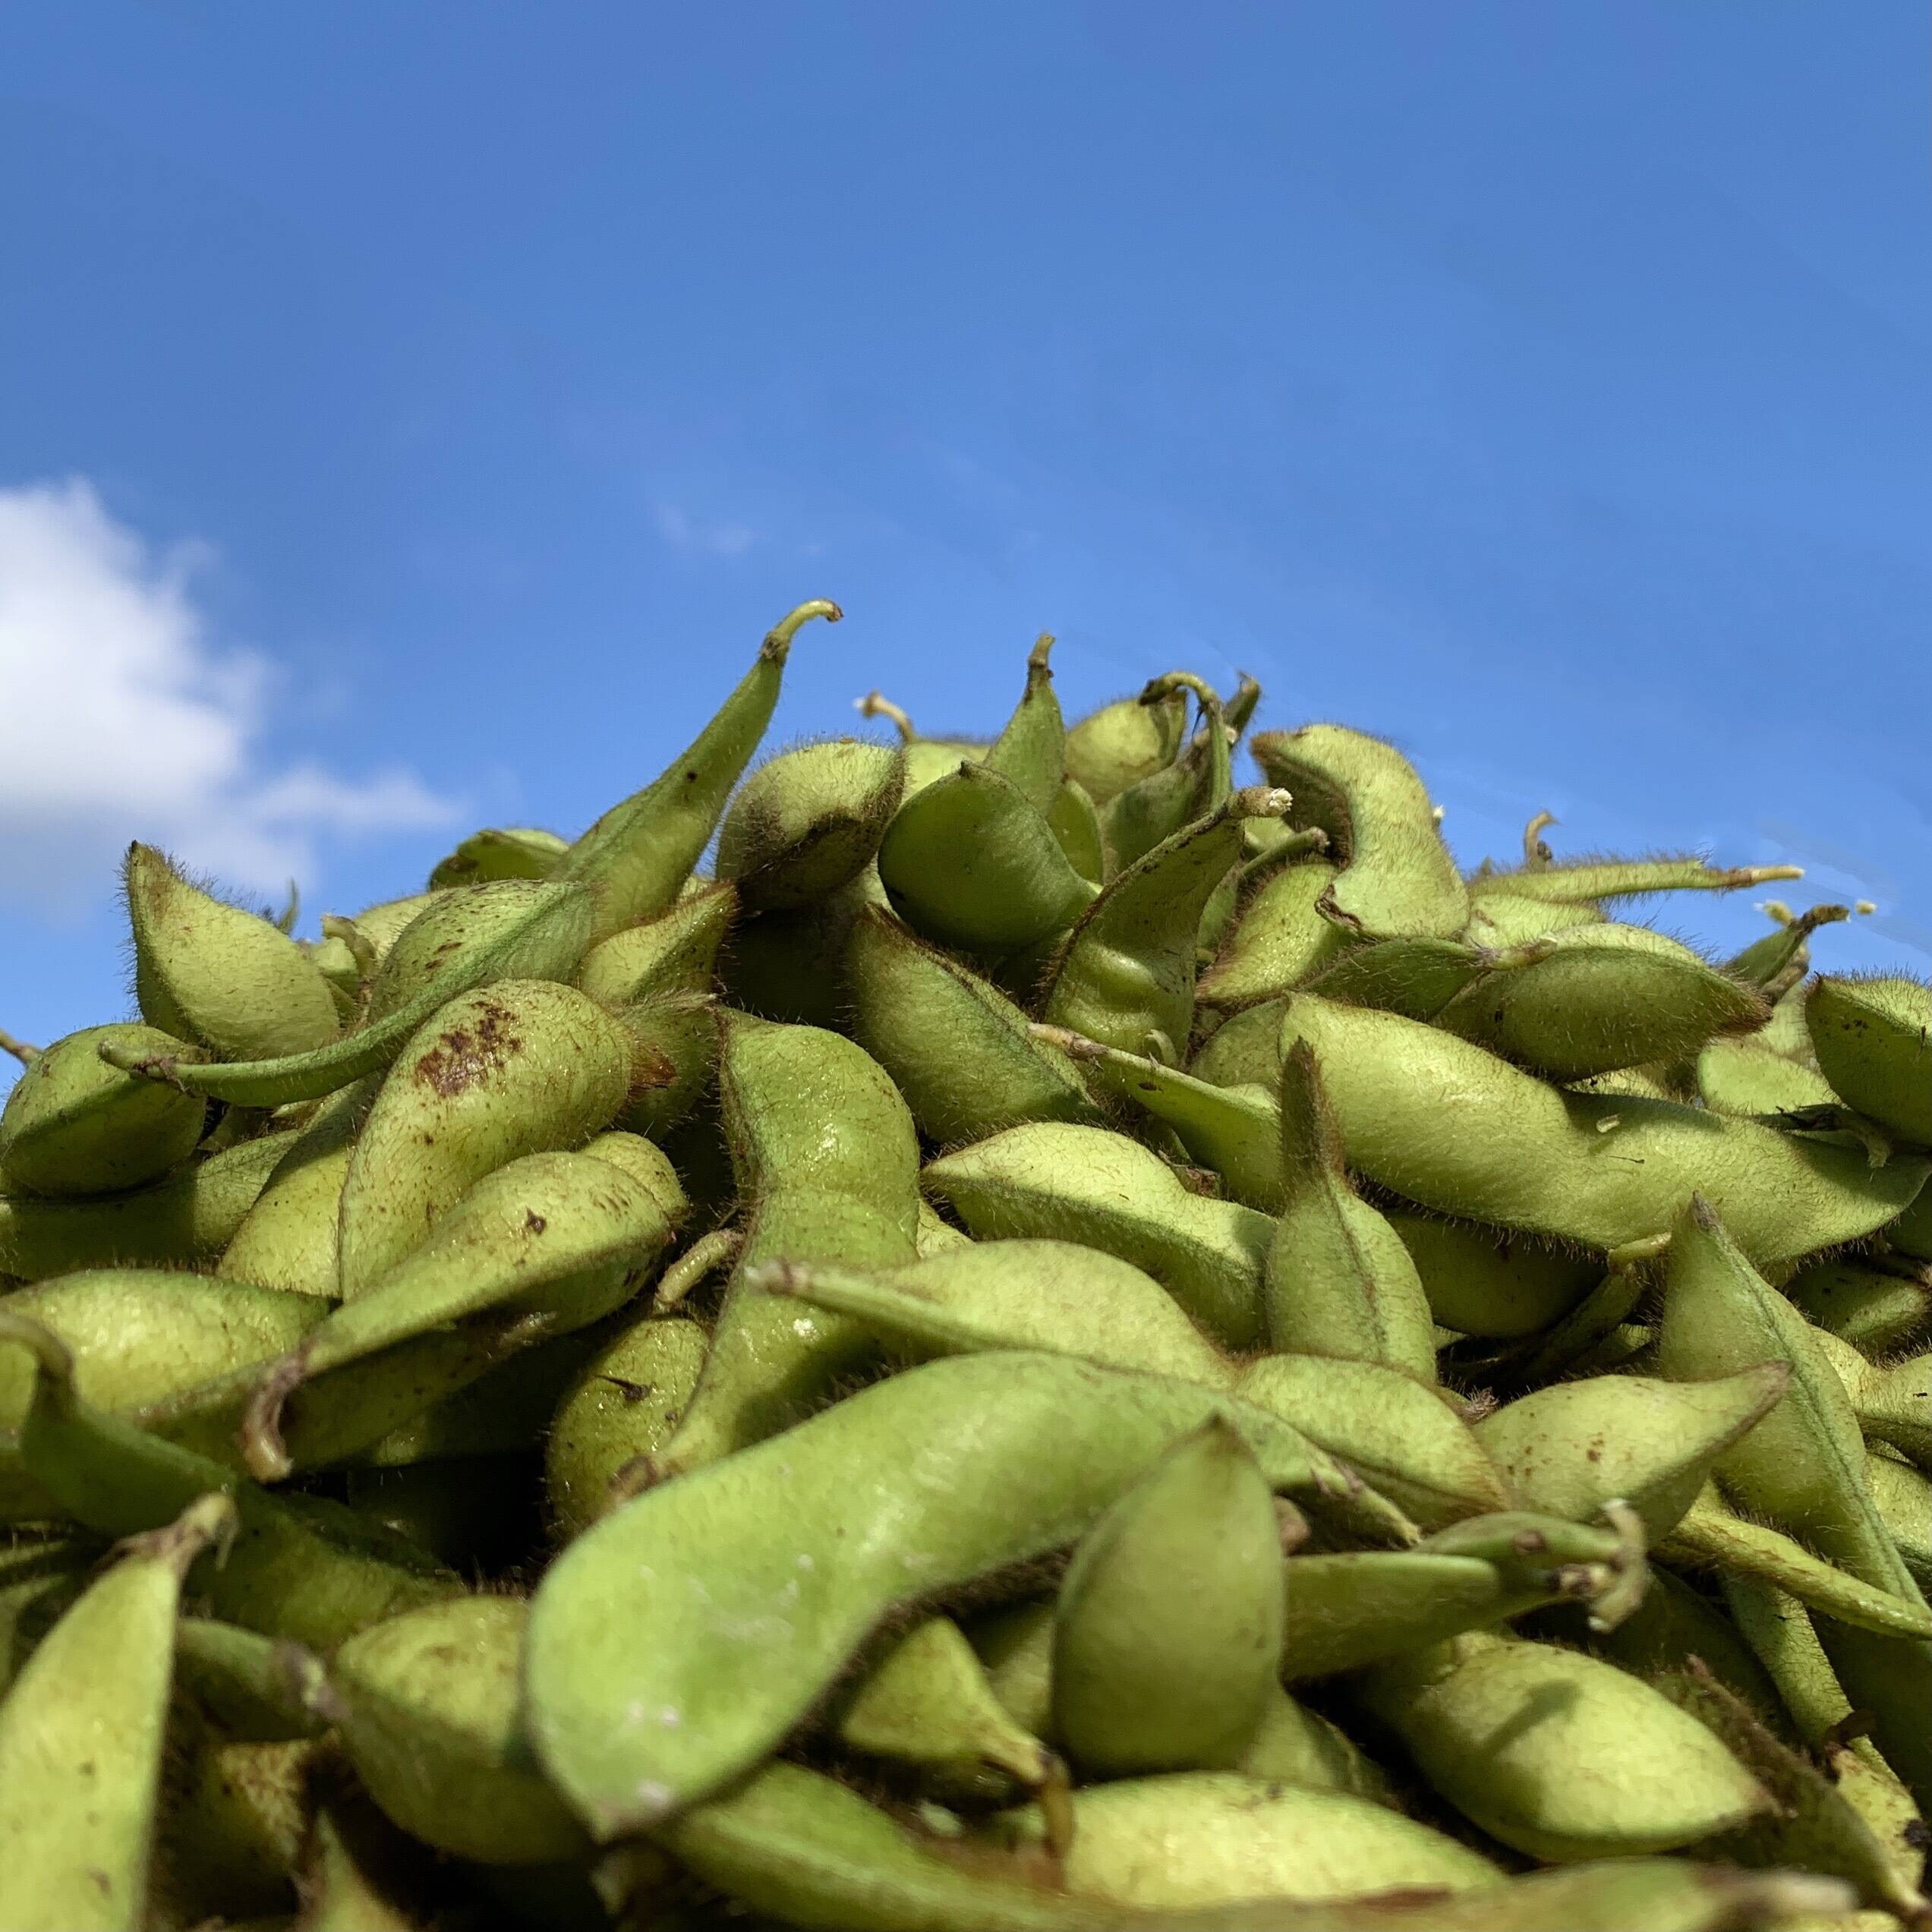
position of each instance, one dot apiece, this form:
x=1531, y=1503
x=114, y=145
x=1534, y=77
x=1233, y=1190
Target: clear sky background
x=410, y=417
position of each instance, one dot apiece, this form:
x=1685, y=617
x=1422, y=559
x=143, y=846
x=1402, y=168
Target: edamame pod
x=1338, y=1280
x=1396, y=879
x=760, y=1575
x=1560, y=1755
x=1060, y=1179
x=1491, y=1281
x=1127, y=970
x=261, y=1689
x=516, y=1068
x=1778, y=961
x=1127, y=741
x=1584, y=880
x=1167, y=1633
x=1873, y=1040
x=512, y=851
x=1031, y=750
x=237, y=1816
x=74, y=1126
x=225, y=979
x=189, y=1216
x=1876, y=1305
x=1277, y=938
x=1417, y=978
x=81, y=1738
x=1154, y=808
x=808, y=821
x=636, y=856
x=463, y=939
x=956, y=1047
x=675, y=952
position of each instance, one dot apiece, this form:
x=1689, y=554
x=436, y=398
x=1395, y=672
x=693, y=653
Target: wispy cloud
x=120, y=718
x=683, y=531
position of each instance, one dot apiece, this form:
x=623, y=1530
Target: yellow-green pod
x=512, y=851
x=81, y=1739
x=292, y=1237
x=626, y=1403
x=676, y=952
x=379, y=926
x=1167, y=1632
x=1059, y=1179
x=1873, y=1039
x=1195, y=785
x=1491, y=1281
x=429, y=1719
x=1587, y=880
x=1277, y=937
x=1212, y=1838
x=1559, y=1755
x=1603, y=997
x=1878, y=1305
x=1127, y=741
x=516, y=1068
x=72, y=1125
x=1910, y=1233
x=1508, y=919
x=361, y=1874
x=1417, y=978
x=808, y=821
x=1568, y=1449
x=212, y=973
x=239, y=1812
x=1397, y=878
x=187, y=1217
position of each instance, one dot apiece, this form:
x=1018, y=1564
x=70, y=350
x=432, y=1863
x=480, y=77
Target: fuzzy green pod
x=675, y=951
x=1560, y=1755
x=1127, y=741
x=260, y=1689
x=1168, y=1632
x=808, y=821
x=1600, y=998
x=1338, y=1280
x=969, y=862
x=1782, y=958
x=1195, y=785
x=1570, y=1448
x=637, y=857
x=625, y=1403
x=1491, y=1281
x=512, y=1069
x=299, y=1567
x=1065, y=1180
x=1278, y=937
x=1032, y=750
x=72, y=1125
x=1877, y=1306
x=1396, y=879
x=81, y=1739
x=188, y=1216
x=1127, y=970
x=827, y=1159
x=1417, y=978
x=511, y=852
x=238, y=1815
x=1874, y=1041
x=429, y=1719
x=1579, y=882
x=1219, y=1837
x=760, y=1575
x=956, y=1046
x=463, y=939
x=226, y=978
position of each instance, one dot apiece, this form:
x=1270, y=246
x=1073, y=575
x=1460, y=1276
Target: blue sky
x=411, y=417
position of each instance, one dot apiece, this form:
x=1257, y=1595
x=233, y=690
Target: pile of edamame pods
x=964, y=1335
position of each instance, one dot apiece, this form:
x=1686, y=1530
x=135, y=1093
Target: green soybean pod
x=236, y=1815
x=188, y=1216
x=1746, y=1075
x=463, y=939
x=1396, y=879
x=1217, y=1838
x=81, y=1738
x=260, y=1689
x=1278, y=936
x=1587, y=880
x=516, y=1068
x=1417, y=978
x=1127, y=969
x=675, y=951
x=1031, y=750
x=428, y=1717
x=827, y=1159
x=1875, y=1305
x=1910, y=1233
x=1196, y=784
x=1494, y=1282
x=1873, y=1040
x=759, y=1575
x=1168, y=1632
x=636, y=856
x=1602, y=998
x=956, y=1047
x=1127, y=741
x=299, y=1567
x=74, y=1126
x=1338, y=1281
x=808, y=821
x=1060, y=1179
x=215, y=974
x=1780, y=959
x=507, y=851
x=1599, y=1170
x=1559, y=1755
x=969, y=862
x=1075, y=824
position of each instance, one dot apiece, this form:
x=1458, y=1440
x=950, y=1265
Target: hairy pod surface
x=1874, y=1041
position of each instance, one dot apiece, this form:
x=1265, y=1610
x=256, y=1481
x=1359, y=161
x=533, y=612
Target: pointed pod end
x=144, y=1065
x=259, y=1435
x=52, y=1357
x=778, y=639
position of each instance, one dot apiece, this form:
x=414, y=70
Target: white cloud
x=682, y=532
x=119, y=719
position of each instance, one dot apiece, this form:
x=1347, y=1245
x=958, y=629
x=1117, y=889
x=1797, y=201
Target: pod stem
x=1536, y=854
x=259, y=1435
x=209, y=1520
x=704, y=1258
x=53, y=1360
x=876, y=704
x=26, y=1055
x=778, y=640
x=285, y=919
